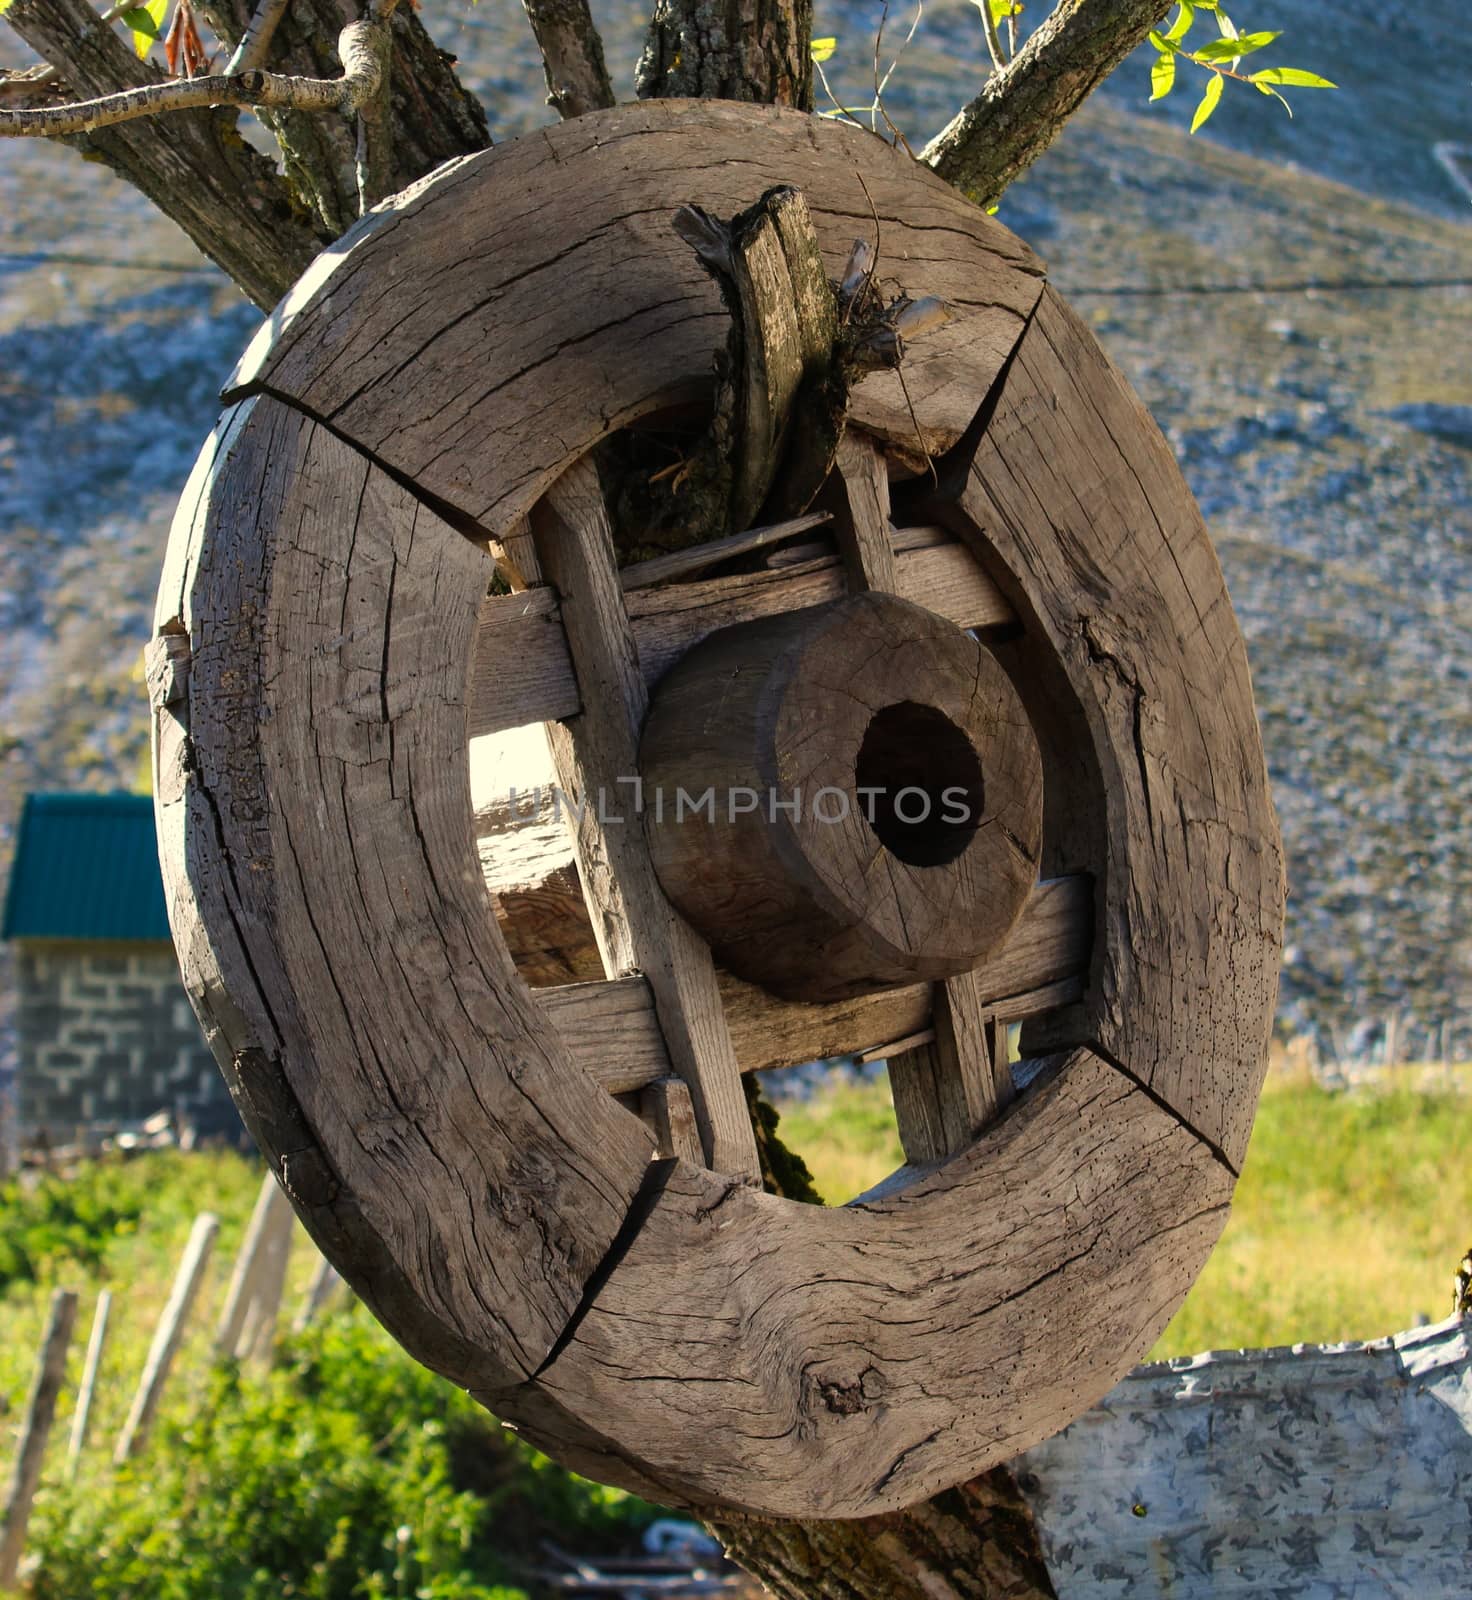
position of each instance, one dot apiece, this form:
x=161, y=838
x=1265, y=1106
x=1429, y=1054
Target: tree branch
x=362, y=45
x=1019, y=113
x=255, y=42
x=195, y=167
x=572, y=56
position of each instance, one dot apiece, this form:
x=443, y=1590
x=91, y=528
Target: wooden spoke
x=947, y=1088
x=612, y=1032
x=596, y=754
x=522, y=672
x=680, y=564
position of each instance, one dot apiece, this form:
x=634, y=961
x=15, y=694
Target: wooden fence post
x=258, y=1336
x=83, y=1414
x=34, y=1432
x=319, y=1291
x=166, y=1337
x=272, y=1210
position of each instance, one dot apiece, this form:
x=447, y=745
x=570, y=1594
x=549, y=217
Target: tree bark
x=977, y=1542
x=1022, y=109
x=433, y=117
x=261, y=228
x=572, y=56
x=757, y=50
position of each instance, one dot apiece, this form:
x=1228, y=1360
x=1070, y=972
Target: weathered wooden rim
x=710, y=1392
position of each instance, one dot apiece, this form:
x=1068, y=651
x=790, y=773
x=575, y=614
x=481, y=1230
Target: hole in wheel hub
x=920, y=782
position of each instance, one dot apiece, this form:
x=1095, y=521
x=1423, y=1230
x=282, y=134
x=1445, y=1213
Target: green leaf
x=1182, y=25
x=1262, y=88
x=1208, y=100
x=145, y=23
x=1230, y=49
x=1162, y=77
x=1295, y=76
x=1225, y=26
x=1161, y=43
x=824, y=48
x=4, y=7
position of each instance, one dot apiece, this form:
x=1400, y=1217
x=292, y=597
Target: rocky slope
x=1326, y=426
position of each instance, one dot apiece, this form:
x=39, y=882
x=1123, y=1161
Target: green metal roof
x=86, y=867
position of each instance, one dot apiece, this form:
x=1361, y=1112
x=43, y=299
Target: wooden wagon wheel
x=326, y=642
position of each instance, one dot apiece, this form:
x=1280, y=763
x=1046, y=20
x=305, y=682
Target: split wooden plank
x=522, y=673
x=35, y=1430
x=612, y=1032
x=517, y=561
x=637, y=928
x=667, y=1107
x=168, y=1336
x=87, y=1390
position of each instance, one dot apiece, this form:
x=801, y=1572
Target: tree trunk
x=756, y=50
x=433, y=118
x=260, y=227
x=977, y=1542
x=193, y=165
x=1023, y=107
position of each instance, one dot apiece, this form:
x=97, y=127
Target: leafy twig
x=1220, y=60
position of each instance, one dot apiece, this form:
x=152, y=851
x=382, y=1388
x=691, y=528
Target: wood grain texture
x=595, y=754
x=1075, y=491
x=841, y=1362
x=522, y=672
x=440, y=339
x=331, y=921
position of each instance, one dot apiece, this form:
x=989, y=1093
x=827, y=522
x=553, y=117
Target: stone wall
x=107, y=1036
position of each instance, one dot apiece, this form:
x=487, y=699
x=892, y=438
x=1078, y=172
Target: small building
x=104, y=1031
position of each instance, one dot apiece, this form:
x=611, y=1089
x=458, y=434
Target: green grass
x=344, y=1471
x=1351, y=1215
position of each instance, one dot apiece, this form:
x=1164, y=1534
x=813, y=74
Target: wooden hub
x=844, y=797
